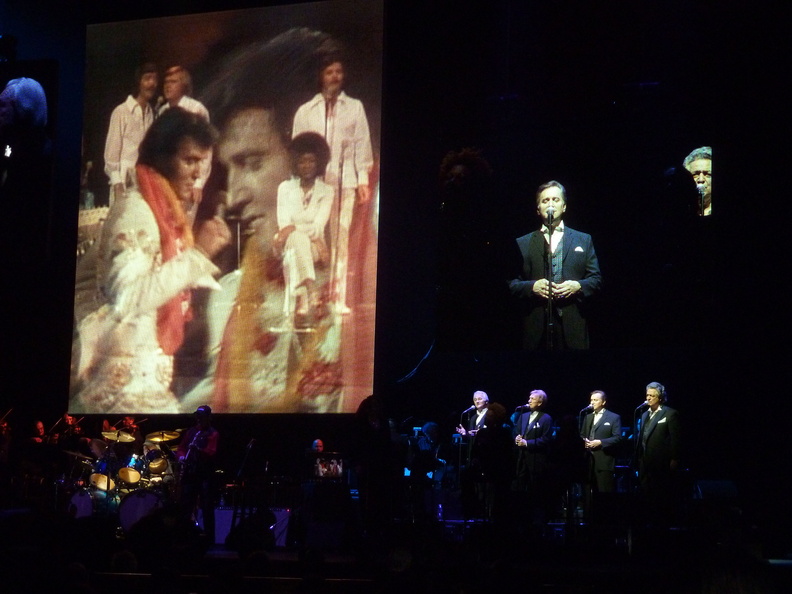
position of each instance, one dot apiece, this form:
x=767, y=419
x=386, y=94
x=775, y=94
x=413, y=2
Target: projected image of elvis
x=265, y=303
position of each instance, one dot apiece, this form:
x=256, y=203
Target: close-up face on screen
x=227, y=240
x=606, y=256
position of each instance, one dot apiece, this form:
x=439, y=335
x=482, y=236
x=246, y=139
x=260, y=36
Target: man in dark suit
x=658, y=450
x=475, y=421
x=470, y=474
x=575, y=277
x=533, y=434
x=601, y=433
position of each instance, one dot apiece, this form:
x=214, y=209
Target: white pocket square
x=606, y=424
x=578, y=249
x=663, y=420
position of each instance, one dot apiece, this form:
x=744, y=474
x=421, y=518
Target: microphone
x=702, y=190
x=585, y=408
x=233, y=219
x=468, y=409
x=642, y=405
x=521, y=407
x=550, y=214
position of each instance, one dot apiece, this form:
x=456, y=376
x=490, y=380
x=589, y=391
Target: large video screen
x=227, y=240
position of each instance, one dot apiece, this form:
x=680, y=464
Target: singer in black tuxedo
x=533, y=432
x=658, y=450
x=470, y=475
x=577, y=276
x=601, y=433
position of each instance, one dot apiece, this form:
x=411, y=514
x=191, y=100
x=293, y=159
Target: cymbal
x=98, y=447
x=118, y=436
x=77, y=455
x=158, y=436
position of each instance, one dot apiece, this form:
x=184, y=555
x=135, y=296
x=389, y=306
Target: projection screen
x=280, y=317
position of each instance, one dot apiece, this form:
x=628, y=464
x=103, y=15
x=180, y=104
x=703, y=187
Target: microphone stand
x=336, y=236
x=637, y=414
x=587, y=485
x=581, y=418
x=242, y=508
x=550, y=325
x=462, y=440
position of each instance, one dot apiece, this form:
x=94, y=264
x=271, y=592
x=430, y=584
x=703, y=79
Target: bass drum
x=85, y=502
x=81, y=504
x=136, y=506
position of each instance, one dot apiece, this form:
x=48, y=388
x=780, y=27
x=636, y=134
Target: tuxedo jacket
x=663, y=440
x=579, y=263
x=532, y=458
x=608, y=431
x=475, y=422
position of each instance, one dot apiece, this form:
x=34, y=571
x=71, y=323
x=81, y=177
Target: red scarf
x=173, y=229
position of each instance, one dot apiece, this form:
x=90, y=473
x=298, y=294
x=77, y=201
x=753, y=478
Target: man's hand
x=279, y=241
x=118, y=191
x=593, y=443
x=542, y=288
x=566, y=289
x=213, y=235
x=364, y=194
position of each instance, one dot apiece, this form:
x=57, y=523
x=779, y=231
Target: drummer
x=129, y=426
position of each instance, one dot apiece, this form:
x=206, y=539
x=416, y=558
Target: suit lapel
x=528, y=424
x=570, y=239
x=655, y=420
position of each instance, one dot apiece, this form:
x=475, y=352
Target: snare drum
x=129, y=476
x=136, y=506
x=158, y=463
x=101, y=482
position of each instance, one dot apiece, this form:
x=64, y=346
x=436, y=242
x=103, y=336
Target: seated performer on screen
x=257, y=361
x=304, y=203
x=148, y=260
x=342, y=121
x=576, y=277
x=699, y=164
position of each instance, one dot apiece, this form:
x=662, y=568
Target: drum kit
x=117, y=483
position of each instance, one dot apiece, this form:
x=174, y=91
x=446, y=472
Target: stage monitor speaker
x=224, y=516
x=718, y=490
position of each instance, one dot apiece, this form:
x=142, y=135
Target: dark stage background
x=602, y=98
